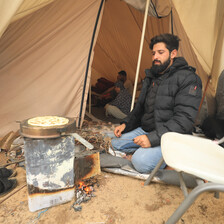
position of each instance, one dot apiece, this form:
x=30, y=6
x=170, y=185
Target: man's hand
x=143, y=141
x=119, y=129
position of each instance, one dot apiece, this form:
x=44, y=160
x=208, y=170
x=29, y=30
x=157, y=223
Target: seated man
x=107, y=97
x=213, y=126
x=121, y=105
x=110, y=93
x=168, y=102
x=122, y=76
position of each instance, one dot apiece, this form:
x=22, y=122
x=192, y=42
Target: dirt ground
x=119, y=200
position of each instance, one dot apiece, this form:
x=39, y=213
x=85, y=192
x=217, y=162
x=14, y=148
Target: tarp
x=45, y=44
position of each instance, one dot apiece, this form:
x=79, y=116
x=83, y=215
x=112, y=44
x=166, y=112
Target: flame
x=81, y=185
x=87, y=189
x=84, y=187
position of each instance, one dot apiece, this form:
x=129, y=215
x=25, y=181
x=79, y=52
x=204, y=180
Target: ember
x=84, y=192
x=82, y=186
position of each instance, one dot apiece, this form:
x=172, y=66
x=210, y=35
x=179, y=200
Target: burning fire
x=84, y=187
x=84, y=193
x=81, y=184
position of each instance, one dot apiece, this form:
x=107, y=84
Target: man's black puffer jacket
x=176, y=104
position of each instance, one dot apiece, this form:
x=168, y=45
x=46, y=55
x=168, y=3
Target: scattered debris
x=77, y=208
x=14, y=154
x=7, y=140
x=97, y=133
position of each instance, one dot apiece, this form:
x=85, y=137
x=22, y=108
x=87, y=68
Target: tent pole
x=140, y=54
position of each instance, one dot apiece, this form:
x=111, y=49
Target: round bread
x=48, y=121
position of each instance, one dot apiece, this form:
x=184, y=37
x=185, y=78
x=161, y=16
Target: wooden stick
x=7, y=164
x=12, y=193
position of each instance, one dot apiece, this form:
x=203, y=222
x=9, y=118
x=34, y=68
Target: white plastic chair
x=196, y=156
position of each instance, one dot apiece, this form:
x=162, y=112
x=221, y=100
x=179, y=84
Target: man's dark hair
x=123, y=73
x=171, y=41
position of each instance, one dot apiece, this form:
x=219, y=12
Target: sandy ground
x=119, y=199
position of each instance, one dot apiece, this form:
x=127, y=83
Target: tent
x=51, y=49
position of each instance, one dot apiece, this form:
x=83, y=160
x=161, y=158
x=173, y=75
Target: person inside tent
x=111, y=93
x=122, y=76
x=168, y=102
x=213, y=126
x=121, y=105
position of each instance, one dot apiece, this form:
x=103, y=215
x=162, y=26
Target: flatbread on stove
x=48, y=121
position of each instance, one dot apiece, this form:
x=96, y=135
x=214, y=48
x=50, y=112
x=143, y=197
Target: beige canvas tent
x=51, y=49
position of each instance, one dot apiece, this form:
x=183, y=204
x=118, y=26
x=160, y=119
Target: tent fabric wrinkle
x=29, y=6
x=7, y=10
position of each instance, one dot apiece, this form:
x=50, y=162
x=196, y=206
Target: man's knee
x=114, y=143
x=106, y=109
x=141, y=165
x=106, y=106
x=145, y=161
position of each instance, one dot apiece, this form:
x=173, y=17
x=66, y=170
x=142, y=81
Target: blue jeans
x=144, y=159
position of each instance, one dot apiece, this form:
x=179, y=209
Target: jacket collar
x=178, y=63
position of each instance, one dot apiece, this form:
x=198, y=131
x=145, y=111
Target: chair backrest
x=194, y=155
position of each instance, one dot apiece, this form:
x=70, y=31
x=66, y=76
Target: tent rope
x=171, y=18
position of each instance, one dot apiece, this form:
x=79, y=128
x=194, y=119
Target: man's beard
x=157, y=69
